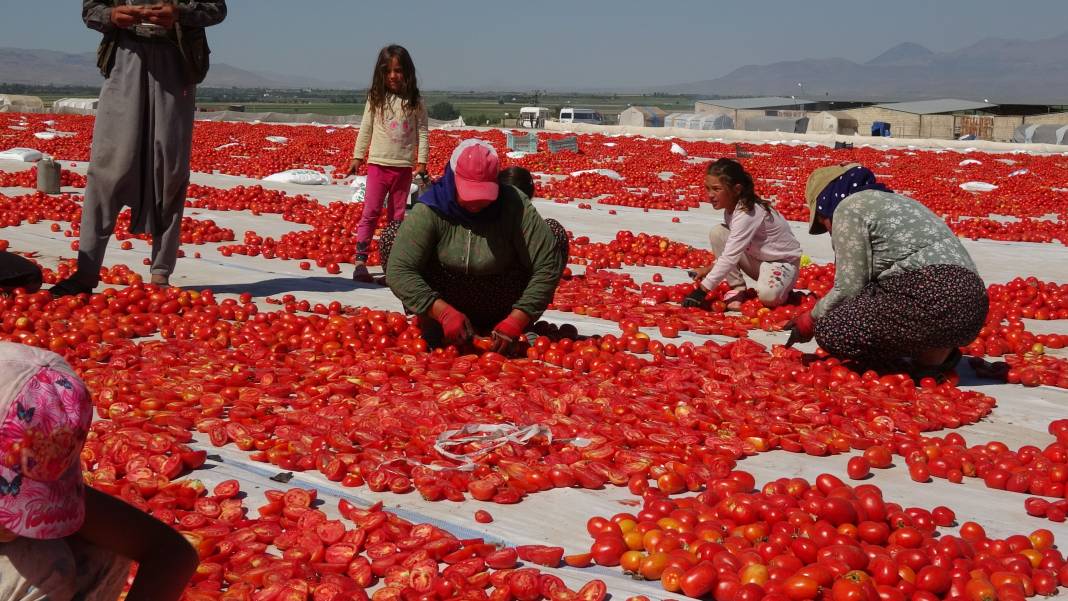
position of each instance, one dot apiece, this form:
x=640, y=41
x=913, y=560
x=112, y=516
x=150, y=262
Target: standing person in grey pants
x=153, y=55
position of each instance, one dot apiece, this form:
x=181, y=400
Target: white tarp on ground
x=558, y=517
x=978, y=187
x=13, y=103
x=605, y=172
x=25, y=155
x=75, y=106
x=304, y=177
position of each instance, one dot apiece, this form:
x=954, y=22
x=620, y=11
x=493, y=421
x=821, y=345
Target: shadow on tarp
x=968, y=377
x=276, y=286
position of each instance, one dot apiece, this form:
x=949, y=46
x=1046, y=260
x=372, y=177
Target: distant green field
x=497, y=108
x=474, y=108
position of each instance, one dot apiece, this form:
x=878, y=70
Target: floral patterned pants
x=939, y=306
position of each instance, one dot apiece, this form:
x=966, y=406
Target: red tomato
x=800, y=588
x=502, y=559
x=607, y=549
x=594, y=590
x=542, y=555
x=698, y=580
x=858, y=468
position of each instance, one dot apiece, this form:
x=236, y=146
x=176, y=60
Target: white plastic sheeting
x=26, y=155
x=605, y=172
x=304, y=177
x=558, y=517
x=978, y=187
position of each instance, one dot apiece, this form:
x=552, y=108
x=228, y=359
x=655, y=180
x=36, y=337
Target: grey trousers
x=140, y=155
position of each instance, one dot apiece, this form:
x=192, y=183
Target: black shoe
x=70, y=287
x=938, y=372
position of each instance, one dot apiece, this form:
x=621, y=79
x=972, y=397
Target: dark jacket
x=193, y=17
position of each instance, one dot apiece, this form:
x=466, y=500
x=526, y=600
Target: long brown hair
x=733, y=174
x=409, y=93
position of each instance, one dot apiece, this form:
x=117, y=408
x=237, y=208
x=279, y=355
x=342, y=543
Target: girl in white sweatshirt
x=753, y=239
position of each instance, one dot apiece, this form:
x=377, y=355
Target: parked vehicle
x=532, y=117
x=574, y=115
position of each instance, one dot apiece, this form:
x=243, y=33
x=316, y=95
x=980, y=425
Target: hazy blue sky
x=546, y=43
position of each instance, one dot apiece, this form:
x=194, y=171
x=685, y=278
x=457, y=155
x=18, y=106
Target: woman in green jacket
x=474, y=257
x=904, y=285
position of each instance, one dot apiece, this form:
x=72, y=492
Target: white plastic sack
x=305, y=177
x=605, y=172
x=359, y=185
x=277, y=139
x=46, y=135
x=26, y=155
x=967, y=162
x=676, y=149
x=516, y=154
x=978, y=187
x=610, y=144
x=1019, y=172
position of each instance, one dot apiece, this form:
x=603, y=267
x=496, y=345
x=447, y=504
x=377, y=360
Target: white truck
x=532, y=117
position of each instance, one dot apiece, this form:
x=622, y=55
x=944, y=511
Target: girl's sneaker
x=360, y=274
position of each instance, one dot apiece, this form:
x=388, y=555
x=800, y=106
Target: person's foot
x=160, y=280
x=736, y=297
x=939, y=372
x=71, y=287
x=360, y=274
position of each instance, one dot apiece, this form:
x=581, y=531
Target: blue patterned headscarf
x=855, y=180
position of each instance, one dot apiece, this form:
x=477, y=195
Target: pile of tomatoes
x=628, y=248
x=28, y=179
x=1026, y=185
x=140, y=459
x=356, y=396
x=796, y=541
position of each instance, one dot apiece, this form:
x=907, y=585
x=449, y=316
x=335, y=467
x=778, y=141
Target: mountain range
x=48, y=67
x=1001, y=70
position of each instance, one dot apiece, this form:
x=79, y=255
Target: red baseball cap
x=475, y=165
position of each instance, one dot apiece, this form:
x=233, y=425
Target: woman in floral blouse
x=904, y=288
